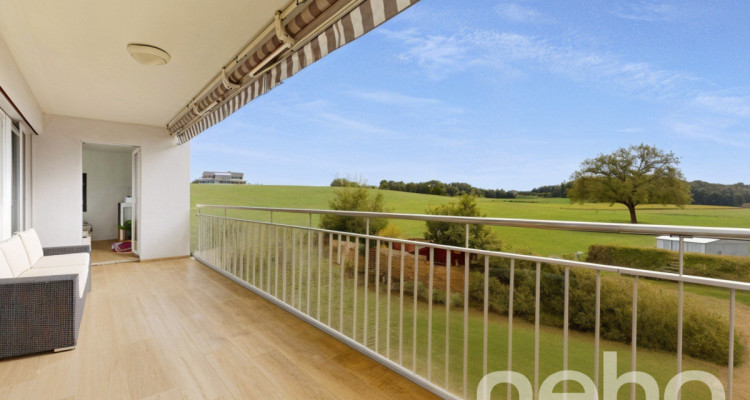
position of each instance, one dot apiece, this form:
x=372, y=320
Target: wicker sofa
x=42, y=295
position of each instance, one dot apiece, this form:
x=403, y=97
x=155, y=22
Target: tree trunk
x=633, y=219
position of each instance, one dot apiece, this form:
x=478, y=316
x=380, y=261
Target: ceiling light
x=148, y=55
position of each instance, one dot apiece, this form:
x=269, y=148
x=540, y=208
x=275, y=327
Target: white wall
x=108, y=181
x=164, y=228
x=14, y=84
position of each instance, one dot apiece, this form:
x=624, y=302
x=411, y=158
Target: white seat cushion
x=15, y=255
x=32, y=245
x=5, y=271
x=81, y=270
x=62, y=260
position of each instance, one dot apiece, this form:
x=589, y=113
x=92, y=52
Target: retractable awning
x=313, y=31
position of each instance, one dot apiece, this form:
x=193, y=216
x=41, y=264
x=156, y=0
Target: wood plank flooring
x=101, y=253
x=176, y=329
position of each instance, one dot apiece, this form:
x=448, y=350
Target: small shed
x=705, y=245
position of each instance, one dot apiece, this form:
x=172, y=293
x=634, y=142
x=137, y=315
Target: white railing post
x=597, y=324
x=730, y=366
x=429, y=314
x=537, y=297
x=356, y=276
x=680, y=300
x=388, y=302
x=466, y=314
x=367, y=279
x=377, y=295
x=634, y=335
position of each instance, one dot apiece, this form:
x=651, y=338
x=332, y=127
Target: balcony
x=540, y=316
x=176, y=329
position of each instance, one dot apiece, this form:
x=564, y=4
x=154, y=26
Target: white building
x=228, y=177
x=704, y=245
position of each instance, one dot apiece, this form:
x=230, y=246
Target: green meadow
x=541, y=242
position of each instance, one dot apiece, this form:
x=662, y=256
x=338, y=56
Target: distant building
x=704, y=245
x=221, y=177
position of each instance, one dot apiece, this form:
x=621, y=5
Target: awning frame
x=316, y=33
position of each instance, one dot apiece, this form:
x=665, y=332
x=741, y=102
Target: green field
x=541, y=242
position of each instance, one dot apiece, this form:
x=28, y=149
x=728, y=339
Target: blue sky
x=508, y=95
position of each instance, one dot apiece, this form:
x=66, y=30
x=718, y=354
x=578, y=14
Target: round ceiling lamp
x=148, y=55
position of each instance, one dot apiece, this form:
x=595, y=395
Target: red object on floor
x=122, y=247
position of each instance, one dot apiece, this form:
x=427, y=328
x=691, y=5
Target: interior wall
x=164, y=228
x=108, y=181
x=14, y=84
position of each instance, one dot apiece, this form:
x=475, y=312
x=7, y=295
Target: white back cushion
x=4, y=268
x=32, y=245
x=81, y=270
x=15, y=254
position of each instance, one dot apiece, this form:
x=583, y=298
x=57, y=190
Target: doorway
x=111, y=179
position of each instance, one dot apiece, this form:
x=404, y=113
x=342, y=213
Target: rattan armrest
x=39, y=314
x=54, y=251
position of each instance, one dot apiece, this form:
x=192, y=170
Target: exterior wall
x=720, y=247
x=728, y=248
x=164, y=228
x=14, y=84
x=108, y=177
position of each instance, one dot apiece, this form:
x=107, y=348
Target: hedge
x=706, y=265
x=705, y=332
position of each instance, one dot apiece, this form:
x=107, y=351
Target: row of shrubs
x=707, y=265
x=705, y=333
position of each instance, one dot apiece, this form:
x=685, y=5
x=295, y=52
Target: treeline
x=715, y=194
x=560, y=190
x=446, y=189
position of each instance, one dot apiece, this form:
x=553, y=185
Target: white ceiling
x=73, y=55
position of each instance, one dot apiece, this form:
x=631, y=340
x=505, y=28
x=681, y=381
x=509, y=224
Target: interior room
x=108, y=204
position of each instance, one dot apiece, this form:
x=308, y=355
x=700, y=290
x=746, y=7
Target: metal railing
x=339, y=282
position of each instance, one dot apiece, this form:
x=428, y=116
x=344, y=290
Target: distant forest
x=434, y=187
x=704, y=193
x=446, y=189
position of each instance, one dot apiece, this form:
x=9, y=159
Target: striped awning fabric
x=222, y=100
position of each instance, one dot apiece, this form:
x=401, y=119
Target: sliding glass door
x=15, y=152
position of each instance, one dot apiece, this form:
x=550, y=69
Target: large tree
x=631, y=176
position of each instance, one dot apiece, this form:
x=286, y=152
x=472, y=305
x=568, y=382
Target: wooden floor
x=176, y=329
x=101, y=253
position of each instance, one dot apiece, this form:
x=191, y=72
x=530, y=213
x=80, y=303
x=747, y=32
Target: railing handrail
x=645, y=273
x=599, y=227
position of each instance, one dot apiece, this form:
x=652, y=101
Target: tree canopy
x=452, y=234
x=354, y=197
x=631, y=176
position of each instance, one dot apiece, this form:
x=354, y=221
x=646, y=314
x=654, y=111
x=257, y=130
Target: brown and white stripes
x=360, y=20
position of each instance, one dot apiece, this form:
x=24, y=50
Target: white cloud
x=440, y=56
x=515, y=12
x=406, y=101
x=711, y=129
x=727, y=105
x=437, y=55
x=354, y=125
x=630, y=130
x=645, y=10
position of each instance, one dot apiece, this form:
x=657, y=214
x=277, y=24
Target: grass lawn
x=338, y=289
x=542, y=242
